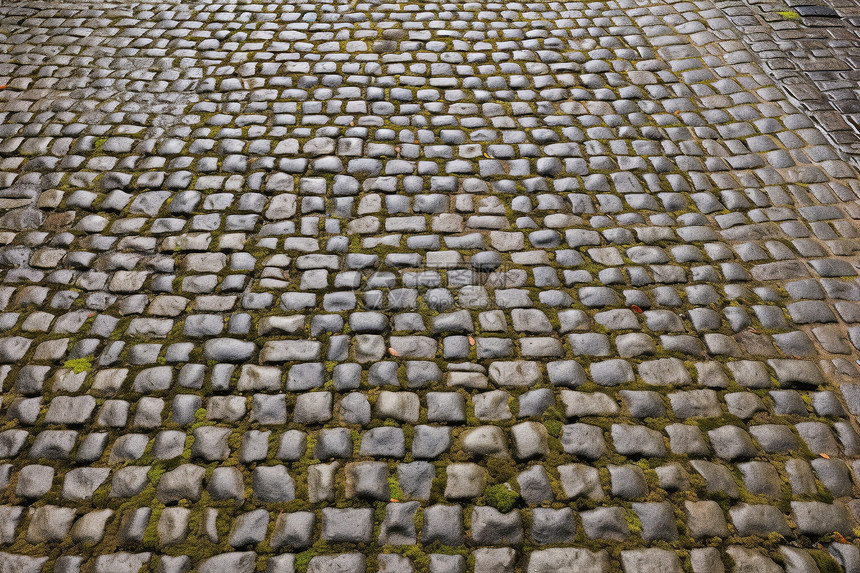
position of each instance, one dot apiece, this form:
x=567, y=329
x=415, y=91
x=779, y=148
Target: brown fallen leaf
x=636, y=308
x=825, y=456
x=471, y=341
x=393, y=352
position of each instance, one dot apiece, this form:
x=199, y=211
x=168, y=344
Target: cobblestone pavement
x=816, y=59
x=346, y=287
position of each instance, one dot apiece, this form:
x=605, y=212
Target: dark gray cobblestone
x=367, y=286
x=813, y=58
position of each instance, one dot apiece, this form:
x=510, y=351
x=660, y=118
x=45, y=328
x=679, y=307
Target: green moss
x=155, y=472
x=150, y=536
x=554, y=427
x=633, y=522
x=826, y=563
x=303, y=559
x=790, y=15
x=775, y=538
x=708, y=424
x=501, y=469
x=78, y=365
x=501, y=496
x=394, y=488
x=414, y=553
x=437, y=488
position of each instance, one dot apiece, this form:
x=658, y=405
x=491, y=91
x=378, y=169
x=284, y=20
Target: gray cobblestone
x=466, y=261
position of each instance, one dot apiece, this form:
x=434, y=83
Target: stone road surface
x=815, y=59
x=432, y=287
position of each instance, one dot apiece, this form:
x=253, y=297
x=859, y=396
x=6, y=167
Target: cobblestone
x=394, y=287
